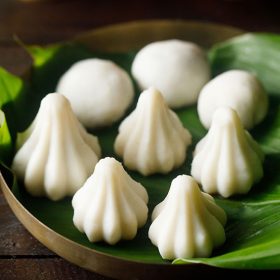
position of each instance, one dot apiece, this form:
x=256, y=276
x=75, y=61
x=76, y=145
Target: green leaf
x=258, y=53
x=11, y=97
x=42, y=55
x=13, y=100
x=253, y=227
x=270, y=140
x=6, y=148
x=10, y=87
x=252, y=237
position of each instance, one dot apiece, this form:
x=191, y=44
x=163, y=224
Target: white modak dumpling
x=55, y=154
x=98, y=90
x=110, y=206
x=152, y=139
x=179, y=69
x=237, y=89
x=187, y=223
x=227, y=160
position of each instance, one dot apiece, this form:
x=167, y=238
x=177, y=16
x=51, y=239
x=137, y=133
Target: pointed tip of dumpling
x=55, y=99
x=184, y=179
x=184, y=183
x=152, y=97
x=152, y=92
x=109, y=167
x=110, y=162
x=225, y=116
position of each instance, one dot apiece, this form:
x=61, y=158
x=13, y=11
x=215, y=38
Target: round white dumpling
x=237, y=89
x=99, y=91
x=177, y=68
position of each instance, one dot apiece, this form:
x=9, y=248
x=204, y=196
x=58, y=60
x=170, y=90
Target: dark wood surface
x=42, y=22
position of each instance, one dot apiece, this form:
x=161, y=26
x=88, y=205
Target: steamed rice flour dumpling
x=99, y=91
x=55, y=154
x=178, y=69
x=237, y=89
x=187, y=223
x=110, y=206
x=152, y=138
x=227, y=160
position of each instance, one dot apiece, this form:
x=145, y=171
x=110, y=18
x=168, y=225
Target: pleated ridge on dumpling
x=55, y=154
x=227, y=160
x=187, y=223
x=152, y=138
x=110, y=206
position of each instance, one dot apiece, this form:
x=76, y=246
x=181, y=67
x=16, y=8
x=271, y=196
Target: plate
x=119, y=38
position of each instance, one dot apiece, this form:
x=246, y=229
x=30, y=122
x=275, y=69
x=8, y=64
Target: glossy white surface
x=55, y=154
x=237, y=89
x=110, y=206
x=179, y=69
x=99, y=91
x=227, y=160
x=187, y=223
x=152, y=139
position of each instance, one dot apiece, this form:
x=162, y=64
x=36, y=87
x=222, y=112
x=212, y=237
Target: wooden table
x=22, y=256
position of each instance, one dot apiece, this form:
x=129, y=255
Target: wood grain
x=53, y=21
x=43, y=269
x=14, y=239
x=14, y=58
